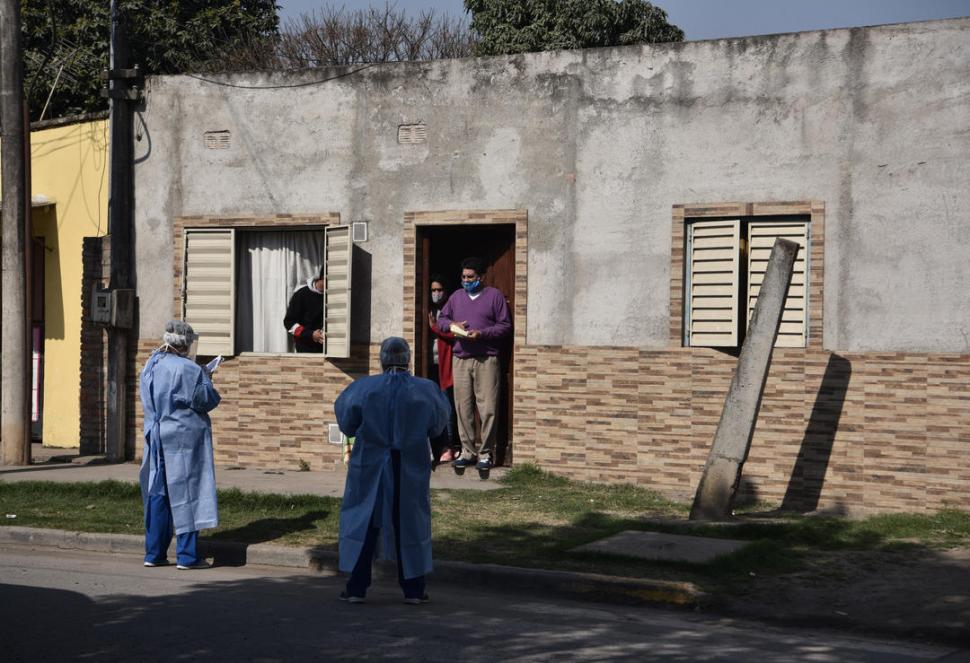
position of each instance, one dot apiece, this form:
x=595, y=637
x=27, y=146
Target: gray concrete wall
x=598, y=145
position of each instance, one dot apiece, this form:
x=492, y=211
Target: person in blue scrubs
x=178, y=483
x=399, y=423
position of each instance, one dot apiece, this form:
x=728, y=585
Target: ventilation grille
x=217, y=140
x=334, y=436
x=359, y=229
x=412, y=134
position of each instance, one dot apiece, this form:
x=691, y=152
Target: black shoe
x=344, y=596
x=194, y=567
x=462, y=462
x=417, y=600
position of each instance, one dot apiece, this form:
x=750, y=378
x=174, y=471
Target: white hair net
x=179, y=334
x=395, y=352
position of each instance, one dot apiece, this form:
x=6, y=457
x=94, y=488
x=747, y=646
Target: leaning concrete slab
x=733, y=437
x=658, y=546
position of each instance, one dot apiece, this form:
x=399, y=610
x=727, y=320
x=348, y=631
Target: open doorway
x=440, y=250
x=37, y=266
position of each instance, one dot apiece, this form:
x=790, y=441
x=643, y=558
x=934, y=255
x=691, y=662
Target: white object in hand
x=214, y=364
x=458, y=330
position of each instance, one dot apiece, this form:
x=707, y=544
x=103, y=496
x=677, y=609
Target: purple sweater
x=488, y=314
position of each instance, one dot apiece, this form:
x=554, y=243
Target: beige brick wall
x=884, y=430
x=275, y=408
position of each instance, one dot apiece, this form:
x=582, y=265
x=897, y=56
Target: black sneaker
x=344, y=596
x=484, y=463
x=194, y=567
x=417, y=600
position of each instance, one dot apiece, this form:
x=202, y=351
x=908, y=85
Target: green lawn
x=535, y=519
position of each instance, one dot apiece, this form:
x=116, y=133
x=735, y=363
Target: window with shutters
x=237, y=283
x=725, y=262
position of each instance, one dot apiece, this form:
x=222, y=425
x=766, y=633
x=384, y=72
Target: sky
x=712, y=19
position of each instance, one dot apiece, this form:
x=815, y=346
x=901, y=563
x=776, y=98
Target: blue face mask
x=471, y=286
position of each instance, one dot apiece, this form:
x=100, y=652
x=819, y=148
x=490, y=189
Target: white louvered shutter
x=714, y=283
x=339, y=270
x=792, y=332
x=209, y=289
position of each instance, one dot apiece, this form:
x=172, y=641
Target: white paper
x=214, y=364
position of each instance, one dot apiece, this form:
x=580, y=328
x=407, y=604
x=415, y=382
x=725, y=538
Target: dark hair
x=440, y=279
x=475, y=264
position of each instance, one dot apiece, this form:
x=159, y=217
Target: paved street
x=57, y=605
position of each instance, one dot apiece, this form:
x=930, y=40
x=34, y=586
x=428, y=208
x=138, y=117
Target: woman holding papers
x=178, y=483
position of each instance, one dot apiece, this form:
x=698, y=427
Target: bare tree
x=338, y=36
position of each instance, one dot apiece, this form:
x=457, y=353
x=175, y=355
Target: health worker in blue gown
x=178, y=484
x=398, y=422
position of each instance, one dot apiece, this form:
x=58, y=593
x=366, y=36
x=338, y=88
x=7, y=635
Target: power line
x=280, y=87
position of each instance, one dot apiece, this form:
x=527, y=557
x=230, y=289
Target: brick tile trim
x=521, y=421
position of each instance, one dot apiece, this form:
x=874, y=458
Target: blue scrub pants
x=158, y=532
x=360, y=577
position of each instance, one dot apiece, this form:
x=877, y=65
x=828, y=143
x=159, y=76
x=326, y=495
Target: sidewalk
x=285, y=482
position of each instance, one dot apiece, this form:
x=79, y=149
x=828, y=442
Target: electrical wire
x=280, y=87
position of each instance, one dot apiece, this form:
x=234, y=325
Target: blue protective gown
x=385, y=412
x=176, y=395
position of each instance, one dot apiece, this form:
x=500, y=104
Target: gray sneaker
x=417, y=600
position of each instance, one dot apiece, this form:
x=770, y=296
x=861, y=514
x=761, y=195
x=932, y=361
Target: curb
x=584, y=586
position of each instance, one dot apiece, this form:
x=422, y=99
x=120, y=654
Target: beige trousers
x=476, y=384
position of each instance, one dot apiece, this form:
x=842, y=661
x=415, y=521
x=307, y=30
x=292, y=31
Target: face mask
x=437, y=296
x=471, y=286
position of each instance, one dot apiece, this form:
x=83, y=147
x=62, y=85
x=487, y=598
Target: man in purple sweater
x=484, y=316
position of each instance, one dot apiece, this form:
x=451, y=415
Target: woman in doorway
x=441, y=358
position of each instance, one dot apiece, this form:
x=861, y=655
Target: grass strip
x=535, y=519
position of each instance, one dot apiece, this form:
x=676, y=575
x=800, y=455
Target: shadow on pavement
x=258, y=531
x=297, y=618
x=807, y=571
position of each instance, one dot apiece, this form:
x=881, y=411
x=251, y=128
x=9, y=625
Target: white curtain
x=272, y=265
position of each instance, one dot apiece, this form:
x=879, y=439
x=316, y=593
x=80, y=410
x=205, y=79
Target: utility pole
x=15, y=362
x=123, y=81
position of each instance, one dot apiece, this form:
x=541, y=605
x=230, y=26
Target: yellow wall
x=68, y=165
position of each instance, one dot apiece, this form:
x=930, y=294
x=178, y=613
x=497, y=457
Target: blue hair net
x=395, y=352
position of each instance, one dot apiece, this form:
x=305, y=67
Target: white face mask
x=437, y=296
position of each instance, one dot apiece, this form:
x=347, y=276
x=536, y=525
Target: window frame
x=281, y=222
x=812, y=212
